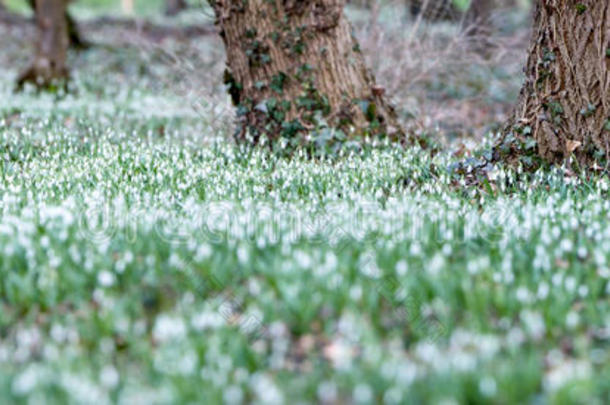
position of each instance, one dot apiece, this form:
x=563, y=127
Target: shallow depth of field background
x=145, y=258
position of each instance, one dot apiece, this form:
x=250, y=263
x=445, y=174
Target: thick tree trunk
x=294, y=65
x=173, y=7
x=478, y=17
x=564, y=105
x=74, y=36
x=478, y=27
x=49, y=64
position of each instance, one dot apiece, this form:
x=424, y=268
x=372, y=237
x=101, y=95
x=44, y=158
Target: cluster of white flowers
x=178, y=246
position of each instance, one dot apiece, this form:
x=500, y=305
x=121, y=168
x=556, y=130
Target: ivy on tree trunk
x=564, y=105
x=294, y=66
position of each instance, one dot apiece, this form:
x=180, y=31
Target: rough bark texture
x=49, y=63
x=564, y=105
x=478, y=28
x=294, y=65
x=478, y=17
x=173, y=7
x=74, y=36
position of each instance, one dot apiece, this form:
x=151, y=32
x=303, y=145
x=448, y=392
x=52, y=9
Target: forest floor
x=144, y=258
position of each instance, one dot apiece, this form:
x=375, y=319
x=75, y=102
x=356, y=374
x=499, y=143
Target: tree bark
x=74, y=36
x=173, y=7
x=294, y=65
x=564, y=105
x=49, y=63
x=478, y=27
x=478, y=17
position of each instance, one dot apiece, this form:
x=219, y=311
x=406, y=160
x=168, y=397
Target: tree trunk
x=564, y=105
x=478, y=26
x=173, y=7
x=74, y=36
x=294, y=66
x=478, y=17
x=49, y=64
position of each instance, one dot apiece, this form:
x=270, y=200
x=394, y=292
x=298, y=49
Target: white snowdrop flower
x=168, y=328
x=554, y=357
x=105, y=278
x=26, y=381
x=543, y=291
x=472, y=267
x=392, y=396
x=572, y=319
x=355, y=293
x=175, y=260
x=368, y=265
x=570, y=284
x=327, y=392
x=340, y=353
x=447, y=401
x=107, y=346
x=240, y=375
x=28, y=337
x=254, y=287
x=58, y=333
x=266, y=390
x=331, y=260
x=534, y=323
x=363, y=394
x=207, y=320
x=566, y=372
x=555, y=232
x=415, y=249
x=120, y=266
x=557, y=279
x=150, y=260
x=447, y=249
x=406, y=373
x=109, y=377
x=204, y=251
x=4, y=354
x=604, y=272
x=233, y=395
x=302, y=259
x=9, y=250
x=487, y=386
x=401, y=267
x=50, y=353
x=45, y=242
x=582, y=253
x=436, y=264
x=242, y=254
x=187, y=363
x=278, y=330
x=583, y=291
x=523, y=295
x=567, y=245
x=464, y=362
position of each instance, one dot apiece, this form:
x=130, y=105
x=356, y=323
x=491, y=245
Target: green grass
x=179, y=267
x=146, y=259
